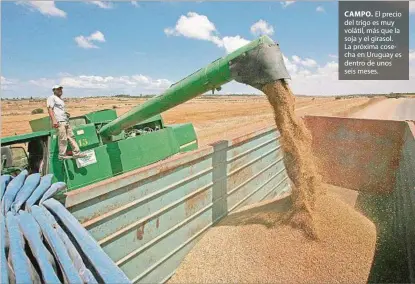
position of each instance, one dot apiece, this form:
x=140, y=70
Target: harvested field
x=214, y=118
x=253, y=246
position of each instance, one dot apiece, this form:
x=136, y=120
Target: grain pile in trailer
x=309, y=237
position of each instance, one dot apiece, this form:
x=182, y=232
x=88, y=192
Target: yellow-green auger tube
x=257, y=63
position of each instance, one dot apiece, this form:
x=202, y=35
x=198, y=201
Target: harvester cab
x=24, y=152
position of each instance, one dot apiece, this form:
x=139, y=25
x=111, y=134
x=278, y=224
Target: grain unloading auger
x=256, y=64
x=139, y=137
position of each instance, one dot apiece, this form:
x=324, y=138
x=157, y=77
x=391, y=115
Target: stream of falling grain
x=298, y=159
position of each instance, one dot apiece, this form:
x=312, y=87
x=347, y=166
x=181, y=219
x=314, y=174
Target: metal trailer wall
x=394, y=216
x=149, y=219
x=359, y=154
x=406, y=187
x=377, y=159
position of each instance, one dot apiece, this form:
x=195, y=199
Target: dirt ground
x=214, y=118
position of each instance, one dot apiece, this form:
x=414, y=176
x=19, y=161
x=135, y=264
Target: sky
x=99, y=48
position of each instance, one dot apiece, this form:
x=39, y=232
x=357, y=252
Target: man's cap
x=57, y=87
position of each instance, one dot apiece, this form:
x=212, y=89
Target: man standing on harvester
x=60, y=120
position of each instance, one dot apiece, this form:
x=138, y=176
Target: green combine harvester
x=115, y=145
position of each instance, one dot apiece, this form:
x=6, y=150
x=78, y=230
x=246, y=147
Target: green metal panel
x=114, y=138
x=186, y=136
x=211, y=77
x=41, y=124
x=56, y=167
x=156, y=118
x=77, y=177
x=101, y=116
x=86, y=136
x=23, y=138
x=123, y=156
x=78, y=121
x=189, y=147
x=54, y=146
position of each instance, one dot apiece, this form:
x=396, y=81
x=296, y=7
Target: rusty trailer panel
x=359, y=154
x=394, y=214
x=149, y=219
x=377, y=159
